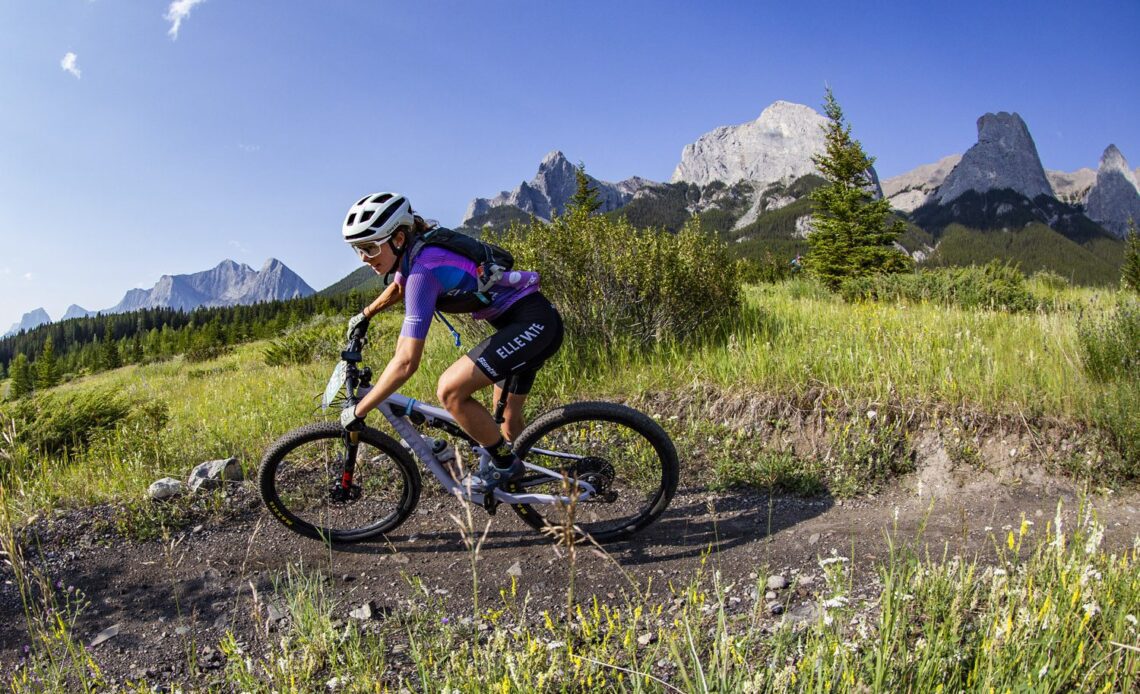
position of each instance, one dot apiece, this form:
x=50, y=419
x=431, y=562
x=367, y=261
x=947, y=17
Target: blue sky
x=249, y=132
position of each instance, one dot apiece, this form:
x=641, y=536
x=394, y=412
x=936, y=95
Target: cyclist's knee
x=451, y=392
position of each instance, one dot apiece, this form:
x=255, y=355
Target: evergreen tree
x=585, y=200
x=1130, y=273
x=3, y=371
x=109, y=357
x=137, y=349
x=47, y=370
x=852, y=232
x=21, y=376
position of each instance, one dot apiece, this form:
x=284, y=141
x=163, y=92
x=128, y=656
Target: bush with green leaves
x=52, y=423
x=320, y=339
x=1110, y=346
x=620, y=286
x=995, y=286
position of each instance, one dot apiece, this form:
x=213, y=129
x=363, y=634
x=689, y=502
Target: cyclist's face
x=385, y=261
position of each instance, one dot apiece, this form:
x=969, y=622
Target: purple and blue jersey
x=436, y=271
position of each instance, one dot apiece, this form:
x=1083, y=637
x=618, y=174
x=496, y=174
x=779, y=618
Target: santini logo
x=521, y=341
x=488, y=368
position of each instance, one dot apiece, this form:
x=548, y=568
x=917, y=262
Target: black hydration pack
x=491, y=262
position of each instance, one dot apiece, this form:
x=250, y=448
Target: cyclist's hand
x=349, y=420
x=357, y=324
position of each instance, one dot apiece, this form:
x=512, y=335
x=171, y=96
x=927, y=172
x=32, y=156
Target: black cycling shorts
x=528, y=333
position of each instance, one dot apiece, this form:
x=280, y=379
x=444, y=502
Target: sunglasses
x=369, y=249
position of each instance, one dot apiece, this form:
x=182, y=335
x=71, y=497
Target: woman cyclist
x=382, y=228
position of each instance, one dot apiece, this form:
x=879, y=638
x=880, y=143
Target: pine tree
x=585, y=200
x=137, y=349
x=852, y=232
x=109, y=357
x=21, y=376
x=47, y=370
x=1130, y=272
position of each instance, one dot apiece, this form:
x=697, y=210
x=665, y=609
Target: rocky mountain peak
x=1113, y=160
x=777, y=146
x=552, y=187
x=1005, y=157
x=31, y=319
x=76, y=311
x=1115, y=197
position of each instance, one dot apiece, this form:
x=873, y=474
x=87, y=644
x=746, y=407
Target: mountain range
x=751, y=182
x=227, y=284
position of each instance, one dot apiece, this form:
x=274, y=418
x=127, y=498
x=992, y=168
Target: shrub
x=51, y=423
x=207, y=352
x=320, y=339
x=617, y=285
x=995, y=286
x=1110, y=346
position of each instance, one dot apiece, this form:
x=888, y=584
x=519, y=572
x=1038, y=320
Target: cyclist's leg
x=513, y=421
x=456, y=387
x=528, y=334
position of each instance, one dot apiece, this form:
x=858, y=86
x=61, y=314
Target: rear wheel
x=299, y=483
x=627, y=457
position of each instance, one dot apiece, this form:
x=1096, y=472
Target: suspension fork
x=351, y=445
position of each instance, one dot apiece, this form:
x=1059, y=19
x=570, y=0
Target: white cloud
x=28, y=276
x=238, y=245
x=249, y=148
x=70, y=64
x=5, y=270
x=179, y=10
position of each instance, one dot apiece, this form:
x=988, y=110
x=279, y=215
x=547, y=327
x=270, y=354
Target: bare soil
x=173, y=600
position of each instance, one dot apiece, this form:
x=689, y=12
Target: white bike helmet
x=376, y=217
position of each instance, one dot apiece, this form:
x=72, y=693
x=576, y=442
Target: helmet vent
x=351, y=219
x=382, y=198
x=362, y=201
x=366, y=215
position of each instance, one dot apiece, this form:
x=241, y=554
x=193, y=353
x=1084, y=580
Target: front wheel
x=299, y=483
x=624, y=455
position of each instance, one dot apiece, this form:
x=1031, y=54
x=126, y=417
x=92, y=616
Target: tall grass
x=789, y=339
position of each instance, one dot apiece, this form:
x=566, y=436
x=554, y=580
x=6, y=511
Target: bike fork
x=343, y=490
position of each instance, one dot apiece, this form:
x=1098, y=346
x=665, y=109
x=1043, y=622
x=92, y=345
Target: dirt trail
x=166, y=597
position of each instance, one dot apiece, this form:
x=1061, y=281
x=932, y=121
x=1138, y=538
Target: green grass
x=791, y=340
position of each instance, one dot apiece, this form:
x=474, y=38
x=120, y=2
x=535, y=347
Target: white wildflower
x=1091, y=608
x=832, y=560
x=837, y=601
x=999, y=572
x=1095, y=537
x=871, y=414
x=1131, y=619
x=1043, y=671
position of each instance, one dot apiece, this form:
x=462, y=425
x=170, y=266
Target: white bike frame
x=398, y=408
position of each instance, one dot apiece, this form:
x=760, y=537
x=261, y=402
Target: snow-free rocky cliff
x=777, y=146
x=1005, y=157
x=551, y=189
x=1115, y=198
x=228, y=284
x=31, y=319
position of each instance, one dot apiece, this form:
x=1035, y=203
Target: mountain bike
x=607, y=468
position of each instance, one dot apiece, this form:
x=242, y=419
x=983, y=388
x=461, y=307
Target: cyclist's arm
x=400, y=368
x=391, y=296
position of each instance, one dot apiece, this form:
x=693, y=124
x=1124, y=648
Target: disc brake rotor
x=598, y=473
